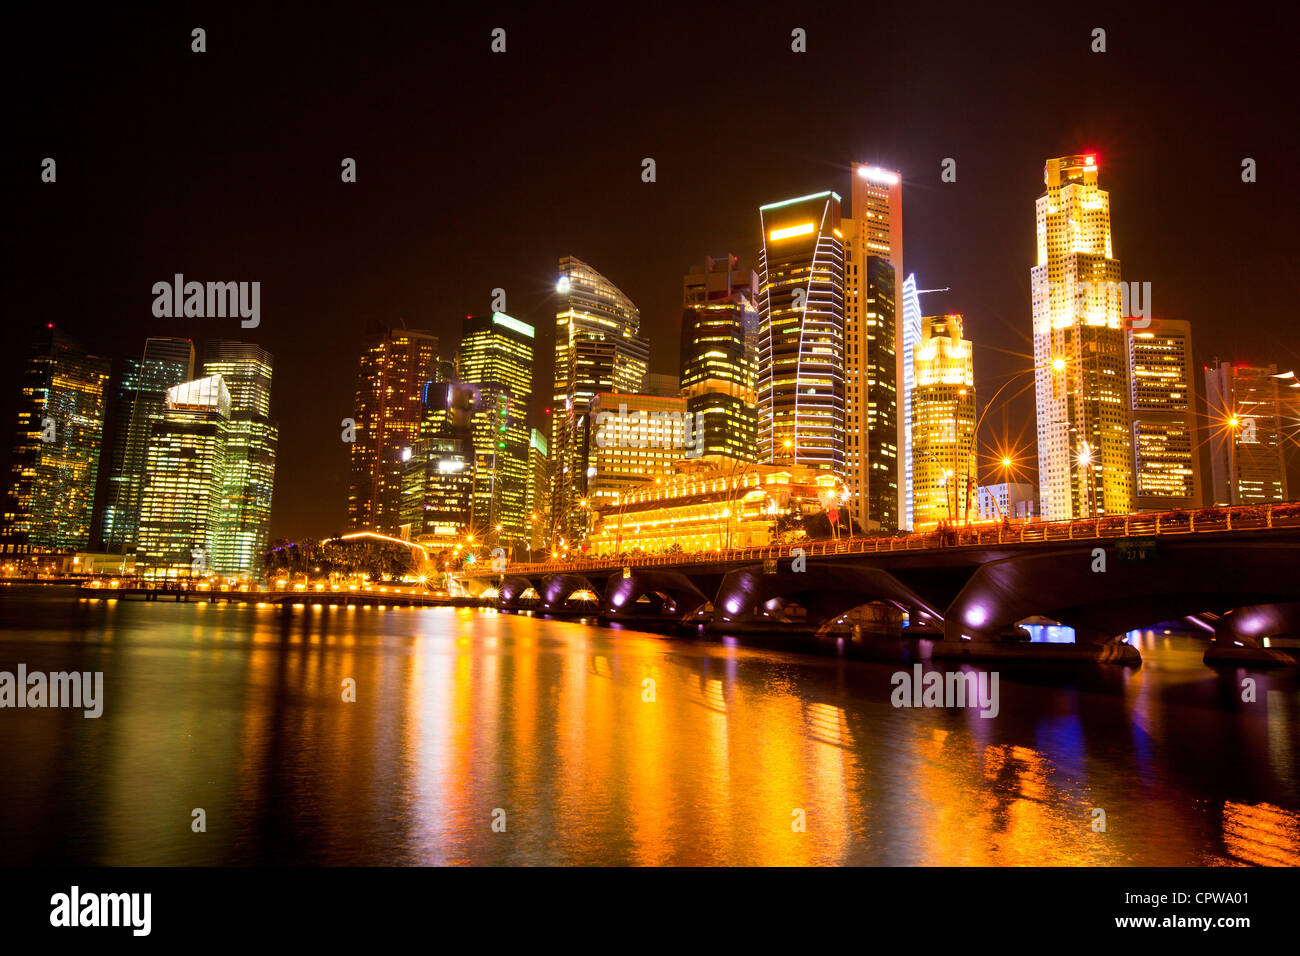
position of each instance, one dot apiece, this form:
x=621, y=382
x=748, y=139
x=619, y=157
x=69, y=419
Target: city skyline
x=1143, y=151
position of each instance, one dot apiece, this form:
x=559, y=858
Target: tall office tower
x=496, y=355
x=395, y=365
x=634, y=439
x=911, y=334
x=250, y=454
x=598, y=348
x=944, y=479
x=801, y=358
x=141, y=392
x=1085, y=443
x=446, y=404
x=1167, y=461
x=719, y=352
x=874, y=350
x=51, y=493
x=539, y=492
x=1246, y=433
x=437, y=490
x=438, y=469
x=185, y=490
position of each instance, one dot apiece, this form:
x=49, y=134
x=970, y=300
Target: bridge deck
x=1156, y=524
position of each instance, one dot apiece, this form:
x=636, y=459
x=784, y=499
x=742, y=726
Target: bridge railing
x=1149, y=524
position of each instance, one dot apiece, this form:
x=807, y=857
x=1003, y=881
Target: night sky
x=478, y=170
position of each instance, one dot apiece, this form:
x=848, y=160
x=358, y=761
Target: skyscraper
x=438, y=469
x=55, y=465
x=801, y=334
x=140, y=396
x=598, y=348
x=539, y=493
x=1167, y=461
x=496, y=355
x=1246, y=433
x=911, y=334
x=1085, y=444
x=395, y=365
x=250, y=455
x=185, y=489
x=719, y=354
x=943, y=425
x=874, y=353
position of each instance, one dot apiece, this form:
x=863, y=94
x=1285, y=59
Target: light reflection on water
x=460, y=713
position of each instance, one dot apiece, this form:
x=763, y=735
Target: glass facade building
x=250, y=455
x=182, y=505
x=141, y=393
x=50, y=497
x=719, y=355
x=496, y=356
x=598, y=348
x=801, y=397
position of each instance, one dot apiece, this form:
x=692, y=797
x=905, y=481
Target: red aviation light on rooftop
x=1090, y=160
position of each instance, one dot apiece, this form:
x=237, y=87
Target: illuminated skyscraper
x=1246, y=432
x=185, y=491
x=250, y=455
x=395, y=365
x=438, y=469
x=141, y=392
x=911, y=329
x=1167, y=461
x=943, y=425
x=539, y=493
x=801, y=334
x=437, y=489
x=873, y=280
x=51, y=493
x=1085, y=442
x=598, y=348
x=496, y=355
x=719, y=352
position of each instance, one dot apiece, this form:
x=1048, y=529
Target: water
x=460, y=713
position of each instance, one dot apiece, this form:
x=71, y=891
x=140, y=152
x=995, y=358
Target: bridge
x=1233, y=572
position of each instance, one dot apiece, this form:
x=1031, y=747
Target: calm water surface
x=461, y=713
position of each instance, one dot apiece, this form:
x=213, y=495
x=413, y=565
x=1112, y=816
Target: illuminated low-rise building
x=1008, y=500
x=709, y=505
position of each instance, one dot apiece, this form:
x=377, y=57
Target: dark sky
x=478, y=170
